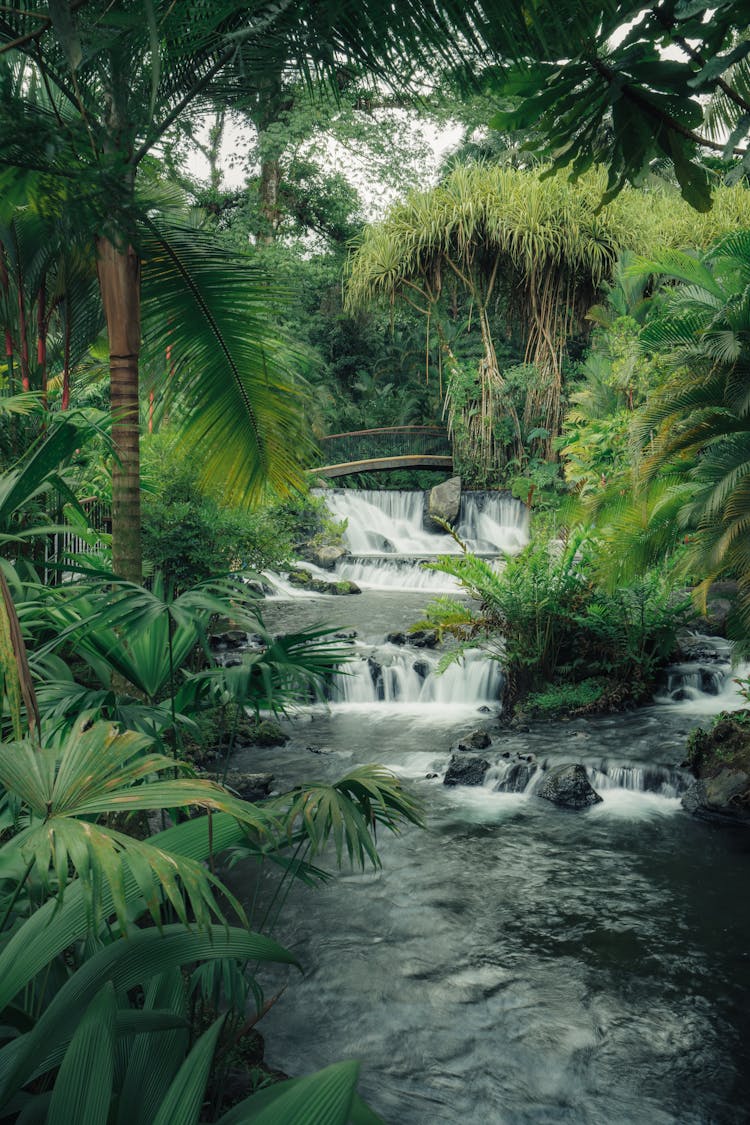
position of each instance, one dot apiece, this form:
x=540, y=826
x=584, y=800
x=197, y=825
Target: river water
x=513, y=962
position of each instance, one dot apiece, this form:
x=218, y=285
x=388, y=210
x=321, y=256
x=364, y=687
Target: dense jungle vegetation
x=173, y=348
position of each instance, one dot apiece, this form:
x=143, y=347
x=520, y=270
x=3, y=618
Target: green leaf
x=154, y=1058
x=324, y=1098
x=83, y=1087
x=186, y=1095
x=55, y=926
x=126, y=963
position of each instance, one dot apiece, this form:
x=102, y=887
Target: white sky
x=360, y=172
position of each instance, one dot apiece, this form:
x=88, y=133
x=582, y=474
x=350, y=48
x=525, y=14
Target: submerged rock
x=465, y=770
x=230, y=639
x=517, y=778
x=248, y=786
x=423, y=638
x=568, y=785
x=477, y=740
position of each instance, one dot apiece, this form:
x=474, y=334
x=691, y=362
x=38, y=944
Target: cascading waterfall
x=708, y=684
x=387, y=540
x=396, y=674
x=589, y=969
x=391, y=523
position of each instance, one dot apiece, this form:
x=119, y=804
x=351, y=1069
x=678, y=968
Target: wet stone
x=568, y=785
x=466, y=770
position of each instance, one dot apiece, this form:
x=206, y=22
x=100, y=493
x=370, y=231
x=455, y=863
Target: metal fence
x=394, y=441
x=65, y=545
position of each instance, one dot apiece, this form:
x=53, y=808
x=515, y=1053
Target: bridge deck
x=381, y=464
x=390, y=447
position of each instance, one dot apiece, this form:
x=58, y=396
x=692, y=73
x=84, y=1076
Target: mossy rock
x=725, y=745
x=720, y=760
x=262, y=732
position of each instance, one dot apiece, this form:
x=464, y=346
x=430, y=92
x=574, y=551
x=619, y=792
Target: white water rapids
x=514, y=963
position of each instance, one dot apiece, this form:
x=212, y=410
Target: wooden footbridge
x=394, y=447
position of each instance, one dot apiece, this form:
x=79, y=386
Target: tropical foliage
x=533, y=245
x=551, y=623
x=639, y=88
x=111, y=925
x=698, y=426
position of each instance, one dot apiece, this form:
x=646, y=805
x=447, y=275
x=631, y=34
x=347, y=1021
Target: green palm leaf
x=184, y=1098
x=154, y=1058
x=97, y=770
x=58, y=924
x=83, y=1087
x=328, y=1097
x=146, y=953
x=239, y=389
x=347, y=811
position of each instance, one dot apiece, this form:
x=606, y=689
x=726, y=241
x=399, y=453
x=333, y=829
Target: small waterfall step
x=391, y=522
x=518, y=775
x=395, y=674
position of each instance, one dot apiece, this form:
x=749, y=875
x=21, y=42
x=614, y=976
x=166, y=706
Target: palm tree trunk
x=119, y=273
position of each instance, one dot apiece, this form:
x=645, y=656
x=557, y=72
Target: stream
x=514, y=962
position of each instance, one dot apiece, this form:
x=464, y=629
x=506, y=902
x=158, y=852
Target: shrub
x=189, y=535
x=550, y=622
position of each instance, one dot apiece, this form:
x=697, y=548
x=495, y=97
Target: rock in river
x=568, y=785
x=477, y=740
x=725, y=795
x=465, y=770
x=443, y=503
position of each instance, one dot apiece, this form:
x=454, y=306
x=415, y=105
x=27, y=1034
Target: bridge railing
x=393, y=441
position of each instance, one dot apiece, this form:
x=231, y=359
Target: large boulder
x=466, y=770
x=324, y=557
x=443, y=503
x=568, y=785
x=720, y=761
x=721, y=600
x=725, y=796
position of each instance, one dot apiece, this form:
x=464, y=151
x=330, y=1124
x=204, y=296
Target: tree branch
x=630, y=91
x=698, y=58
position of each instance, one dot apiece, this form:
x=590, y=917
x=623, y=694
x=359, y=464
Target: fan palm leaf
x=93, y=771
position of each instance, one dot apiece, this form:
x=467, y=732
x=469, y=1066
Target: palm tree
x=700, y=421
x=49, y=317
x=90, y=90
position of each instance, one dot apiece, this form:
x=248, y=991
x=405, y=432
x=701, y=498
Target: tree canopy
x=633, y=85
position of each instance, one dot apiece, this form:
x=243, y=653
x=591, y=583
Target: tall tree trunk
x=119, y=273
x=270, y=181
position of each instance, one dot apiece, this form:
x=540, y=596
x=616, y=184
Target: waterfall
x=705, y=684
x=391, y=523
x=387, y=540
x=396, y=674
x=518, y=775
